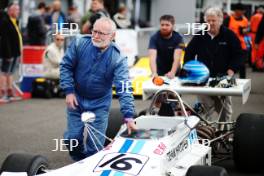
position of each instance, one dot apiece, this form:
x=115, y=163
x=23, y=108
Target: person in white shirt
x=52, y=58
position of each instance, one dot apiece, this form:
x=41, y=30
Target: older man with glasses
x=52, y=58
x=89, y=68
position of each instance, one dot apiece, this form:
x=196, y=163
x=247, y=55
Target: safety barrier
x=31, y=67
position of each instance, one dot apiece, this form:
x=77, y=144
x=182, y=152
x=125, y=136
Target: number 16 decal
x=124, y=162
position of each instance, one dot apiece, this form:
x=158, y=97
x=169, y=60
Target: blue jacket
x=90, y=74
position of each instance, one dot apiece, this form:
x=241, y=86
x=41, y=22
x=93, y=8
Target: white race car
x=162, y=146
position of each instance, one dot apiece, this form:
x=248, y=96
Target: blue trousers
x=75, y=130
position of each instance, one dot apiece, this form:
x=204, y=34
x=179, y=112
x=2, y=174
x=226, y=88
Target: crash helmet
x=194, y=72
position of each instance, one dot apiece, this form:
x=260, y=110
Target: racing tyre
x=248, y=142
x=22, y=162
x=114, y=123
x=143, y=112
x=206, y=170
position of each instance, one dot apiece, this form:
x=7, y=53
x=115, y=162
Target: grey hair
x=109, y=21
x=214, y=11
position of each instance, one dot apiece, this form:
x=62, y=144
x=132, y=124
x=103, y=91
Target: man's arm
x=152, y=59
x=153, y=54
x=51, y=56
x=236, y=54
x=190, y=51
x=67, y=66
x=176, y=63
x=124, y=89
x=6, y=42
x=124, y=93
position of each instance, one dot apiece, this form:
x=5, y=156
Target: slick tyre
x=22, y=162
x=114, y=123
x=248, y=142
x=206, y=170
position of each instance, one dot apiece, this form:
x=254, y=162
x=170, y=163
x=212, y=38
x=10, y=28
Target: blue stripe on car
x=139, y=145
x=126, y=146
x=106, y=173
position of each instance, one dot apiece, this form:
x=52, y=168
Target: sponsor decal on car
x=193, y=138
x=160, y=149
x=125, y=161
x=128, y=163
x=175, y=152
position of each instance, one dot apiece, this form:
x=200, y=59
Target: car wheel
x=248, y=142
x=22, y=162
x=142, y=113
x=115, y=121
x=206, y=170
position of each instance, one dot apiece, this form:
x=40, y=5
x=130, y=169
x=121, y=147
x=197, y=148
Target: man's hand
x=131, y=126
x=71, y=101
x=154, y=75
x=170, y=75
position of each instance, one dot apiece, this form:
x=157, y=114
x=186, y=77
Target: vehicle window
x=145, y=134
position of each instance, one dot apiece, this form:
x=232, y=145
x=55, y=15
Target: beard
x=165, y=33
x=60, y=46
x=100, y=44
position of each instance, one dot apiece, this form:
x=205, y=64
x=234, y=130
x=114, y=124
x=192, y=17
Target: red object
x=235, y=26
x=26, y=95
x=259, y=62
x=158, y=81
x=254, y=23
x=33, y=54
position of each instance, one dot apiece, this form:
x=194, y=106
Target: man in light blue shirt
x=89, y=68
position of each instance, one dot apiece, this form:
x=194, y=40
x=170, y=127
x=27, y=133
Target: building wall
x=183, y=10
x=226, y=5
x=219, y=3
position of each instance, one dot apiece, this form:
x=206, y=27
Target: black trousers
x=242, y=70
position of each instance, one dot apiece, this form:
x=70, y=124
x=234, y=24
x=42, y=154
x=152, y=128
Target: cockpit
x=154, y=127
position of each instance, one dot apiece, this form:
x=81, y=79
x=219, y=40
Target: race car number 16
x=125, y=162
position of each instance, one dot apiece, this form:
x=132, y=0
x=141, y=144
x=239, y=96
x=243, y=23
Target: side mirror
x=191, y=121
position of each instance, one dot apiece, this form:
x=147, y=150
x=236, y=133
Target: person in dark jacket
x=57, y=16
x=165, y=49
x=36, y=27
x=10, y=48
x=220, y=50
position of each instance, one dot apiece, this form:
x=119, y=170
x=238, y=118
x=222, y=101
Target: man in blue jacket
x=89, y=68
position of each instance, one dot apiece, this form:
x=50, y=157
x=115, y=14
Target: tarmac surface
x=32, y=125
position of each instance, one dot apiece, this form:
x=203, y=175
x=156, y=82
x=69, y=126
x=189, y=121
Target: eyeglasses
x=59, y=39
x=94, y=32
